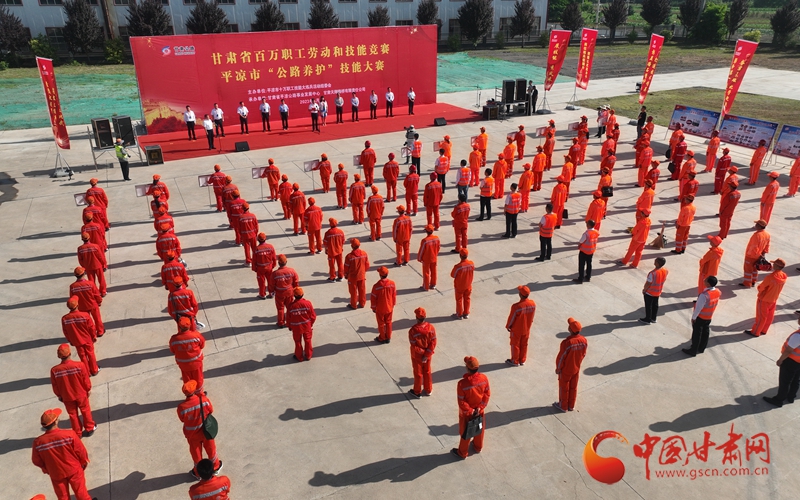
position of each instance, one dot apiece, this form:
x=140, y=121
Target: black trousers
x=123, y=165
x=218, y=126
x=417, y=162
x=440, y=178
x=545, y=247
x=243, y=125
x=354, y=114
x=373, y=111
x=339, y=111
x=190, y=129
x=461, y=190
x=210, y=137
x=511, y=224
x=265, y=122
x=700, y=332
x=486, y=204
x=788, y=380
x=585, y=266
x=389, y=108
x=285, y=120
x=315, y=122
x=410, y=107
x=650, y=307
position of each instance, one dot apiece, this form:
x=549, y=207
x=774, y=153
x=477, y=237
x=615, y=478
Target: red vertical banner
x=53, y=103
x=585, y=57
x=559, y=41
x=656, y=42
x=741, y=61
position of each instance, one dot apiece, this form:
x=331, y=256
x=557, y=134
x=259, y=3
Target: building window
x=348, y=1
x=453, y=27
x=291, y=26
x=10, y=2
x=123, y=35
x=189, y=2
x=287, y=1
x=348, y=24
x=404, y=22
x=403, y=0
x=56, y=37
x=226, y=2
x=49, y=2
x=505, y=26
x=374, y=1
x=164, y=2
x=122, y=2
x=231, y=28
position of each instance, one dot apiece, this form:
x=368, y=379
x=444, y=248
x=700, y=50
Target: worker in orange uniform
x=711, y=151
x=325, y=171
x=170, y=269
x=723, y=164
x=382, y=300
x=482, y=143
x=574, y=157
x=285, y=190
x=62, y=456
x=473, y=395
x=769, y=195
x=356, y=265
x=431, y=199
x=422, y=341
x=460, y=216
x=519, y=139
x=248, y=231
x=608, y=146
x=428, y=255
x=192, y=412
x=167, y=241
x=367, y=161
x=689, y=165
x=645, y=159
x=731, y=182
x=678, y=155
x=639, y=145
x=794, y=178
x=227, y=193
x=690, y=187
x=340, y=179
x=756, y=161
x=709, y=263
x=441, y=167
x=703, y=311
x=235, y=211
x=80, y=331
x=298, y=202
x=605, y=184
x=654, y=173
x=99, y=193
x=518, y=324
x=475, y=164
x=401, y=235
x=675, y=138
x=210, y=486
x=499, y=176
x=157, y=184
x=568, y=365
x=447, y=145
x=217, y=182
x=357, y=196
x=546, y=226
x=558, y=198
x=549, y=147
x=525, y=185
x=463, y=179
x=653, y=287
x=187, y=346
x=609, y=161
x=391, y=170
x=539, y=162
x=768, y=292
x=334, y=242
x=583, y=139
x=511, y=208
x=567, y=172
x=416, y=153
x=375, y=209
x=638, y=238
x=587, y=245
x=89, y=298
x=462, y=275
x=312, y=221
x=645, y=200
x=727, y=206
x=758, y=246
x=300, y=316
x=486, y=194
x=683, y=224
x=71, y=385
x=96, y=232
x=181, y=302
x=159, y=200
x=92, y=258
x=649, y=126
x=411, y=185
x=264, y=261
x=284, y=281
x=273, y=175
x=597, y=210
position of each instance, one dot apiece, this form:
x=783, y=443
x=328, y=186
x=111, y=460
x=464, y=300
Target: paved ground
x=341, y=425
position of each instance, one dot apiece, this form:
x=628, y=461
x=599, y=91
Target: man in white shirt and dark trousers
x=389, y=102
x=586, y=247
x=314, y=109
x=242, y=112
x=354, y=108
x=264, y=108
x=208, y=125
x=411, y=97
x=339, y=103
x=284, y=110
x=373, y=106
x=219, y=117
x=189, y=119
x=789, y=375
x=701, y=316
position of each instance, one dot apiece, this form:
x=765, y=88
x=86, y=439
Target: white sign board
x=80, y=199
x=356, y=160
x=473, y=140
x=573, y=126
x=541, y=131
x=437, y=146
x=141, y=189
x=202, y=180
x=405, y=152
x=311, y=165
x=257, y=172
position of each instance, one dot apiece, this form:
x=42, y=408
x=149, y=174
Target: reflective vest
x=416, y=151
x=465, y=176
x=442, y=165
x=657, y=278
x=515, y=204
x=589, y=245
x=546, y=229
x=795, y=355
x=121, y=153
x=487, y=187
x=712, y=299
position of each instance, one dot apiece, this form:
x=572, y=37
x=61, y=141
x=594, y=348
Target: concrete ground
x=342, y=425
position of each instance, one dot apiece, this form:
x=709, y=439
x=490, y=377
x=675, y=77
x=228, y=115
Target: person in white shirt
x=189, y=119
x=411, y=97
x=314, y=109
x=242, y=112
x=339, y=103
x=373, y=106
x=389, y=102
x=209, y=126
x=284, y=110
x=789, y=374
x=354, y=108
x=219, y=117
x=323, y=109
x=264, y=108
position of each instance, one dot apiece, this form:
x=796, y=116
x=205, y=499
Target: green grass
x=661, y=105
x=67, y=69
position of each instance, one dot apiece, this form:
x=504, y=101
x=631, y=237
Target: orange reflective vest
x=712, y=299
x=548, y=226
x=487, y=187
x=589, y=243
x=795, y=355
x=515, y=203
x=656, y=278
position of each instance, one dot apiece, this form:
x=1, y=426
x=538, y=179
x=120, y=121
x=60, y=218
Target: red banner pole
x=742, y=56
x=50, y=89
x=656, y=42
x=585, y=58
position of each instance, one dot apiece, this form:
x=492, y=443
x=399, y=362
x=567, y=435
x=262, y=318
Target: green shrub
x=711, y=27
x=454, y=43
x=3, y=65
x=41, y=47
x=75, y=62
x=753, y=36
x=667, y=34
x=500, y=40
x=114, y=51
x=632, y=36
x=544, y=39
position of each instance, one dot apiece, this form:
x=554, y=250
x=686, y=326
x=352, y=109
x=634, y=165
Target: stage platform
x=175, y=145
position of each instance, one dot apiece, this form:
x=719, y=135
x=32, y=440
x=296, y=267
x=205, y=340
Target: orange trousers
x=335, y=266
x=754, y=174
x=766, y=213
x=520, y=150
x=99, y=279
x=794, y=183
x=475, y=176
x=509, y=168
x=299, y=224
x=428, y=275
x=287, y=210
x=198, y=443
x=682, y=238
x=559, y=211
x=249, y=249
x=567, y=390
x=384, y=325
x=634, y=249
x=724, y=225
x=411, y=203
x=374, y=229
x=519, y=348
x=750, y=272
x=263, y=282
x=549, y=163
x=477, y=441
x=282, y=301
x=358, y=213
x=391, y=189
x=499, y=187
x=711, y=160
x=461, y=237
x=483, y=158
x=100, y=329
x=463, y=301
x=86, y=411
x=358, y=293
x=192, y=371
x=642, y=173
x=422, y=376
x=86, y=355
x=218, y=196
x=765, y=313
x=525, y=199
x=369, y=175
x=402, y=252
x=300, y=338
x=433, y=216
x=537, y=181
x=326, y=183
x=315, y=241
x=341, y=197
x=76, y=481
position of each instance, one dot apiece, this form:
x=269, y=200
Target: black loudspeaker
x=242, y=146
x=154, y=155
x=124, y=130
x=103, y=138
x=522, y=90
x=439, y=122
x=509, y=86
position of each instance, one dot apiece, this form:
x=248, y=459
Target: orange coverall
x=264, y=259
x=298, y=203
x=568, y=367
x=71, y=385
x=80, y=331
x=645, y=200
x=89, y=301
x=539, y=162
x=755, y=163
x=727, y=204
x=709, y=266
x=645, y=158
x=462, y=275
x=767, y=200
x=519, y=138
x=62, y=456
x=475, y=164
x=382, y=300
x=525, y=186
x=98, y=214
x=187, y=346
x=273, y=175
x=356, y=264
x=248, y=232
x=92, y=258
x=235, y=211
x=768, y=292
x=608, y=145
x=285, y=193
x=182, y=302
x=499, y=176
x=508, y=155
x=638, y=239
x=189, y=415
x=300, y=316
x=574, y=159
x=325, y=175
x=568, y=172
x=401, y=234
x=520, y=320
x=689, y=166
x=685, y=218
x=608, y=162
x=428, y=254
x=99, y=195
x=597, y=208
x=422, y=340
x=334, y=242
x=340, y=179
x=483, y=143
x=97, y=234
x=473, y=394
x=357, y=195
x=794, y=178
x=312, y=218
x=549, y=146
x=431, y=199
x=367, y=162
x=171, y=269
x=284, y=281
x=558, y=197
x=374, y=214
x=391, y=169
x=411, y=185
x=460, y=216
x=756, y=247
x=711, y=153
x=216, y=488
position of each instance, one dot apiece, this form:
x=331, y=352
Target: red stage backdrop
x=199, y=70
x=53, y=103
x=741, y=61
x=656, y=42
x=559, y=41
x=585, y=57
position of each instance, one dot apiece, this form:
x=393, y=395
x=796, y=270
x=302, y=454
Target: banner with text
x=585, y=57
x=694, y=121
x=739, y=64
x=199, y=70
x=53, y=103
x=746, y=132
x=559, y=41
x=788, y=144
x=656, y=42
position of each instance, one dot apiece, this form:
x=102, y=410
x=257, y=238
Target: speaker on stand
x=124, y=129
x=103, y=138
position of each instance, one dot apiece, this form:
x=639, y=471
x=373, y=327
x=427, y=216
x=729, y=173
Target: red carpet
x=175, y=146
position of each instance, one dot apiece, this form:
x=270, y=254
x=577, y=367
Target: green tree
x=784, y=23
x=614, y=15
x=12, y=34
x=428, y=13
x=689, y=14
x=476, y=18
x=711, y=28
x=555, y=8
x=206, y=17
x=379, y=16
x=523, y=21
x=82, y=30
x=269, y=18
x=735, y=16
x=572, y=17
x=148, y=18
x=322, y=15
x=654, y=13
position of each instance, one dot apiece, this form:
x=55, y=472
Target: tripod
x=478, y=102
